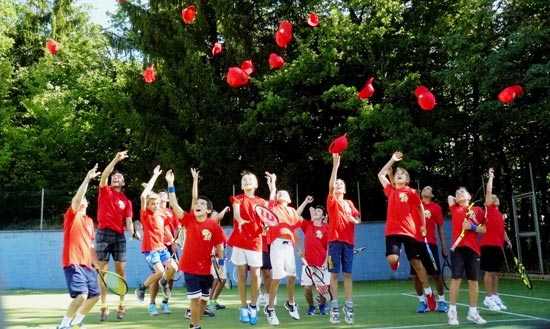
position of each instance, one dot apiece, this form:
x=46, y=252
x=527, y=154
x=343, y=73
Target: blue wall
x=39, y=253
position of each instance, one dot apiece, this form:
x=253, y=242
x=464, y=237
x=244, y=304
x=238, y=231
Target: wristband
x=221, y=262
x=171, y=189
x=474, y=227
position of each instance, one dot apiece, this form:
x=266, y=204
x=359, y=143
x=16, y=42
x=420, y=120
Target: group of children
x=256, y=249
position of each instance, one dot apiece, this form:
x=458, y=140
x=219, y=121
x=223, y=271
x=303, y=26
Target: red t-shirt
x=171, y=223
x=340, y=228
x=315, y=242
x=200, y=238
x=495, y=228
x=475, y=216
x=289, y=220
x=403, y=205
x=434, y=218
x=112, y=210
x=153, y=231
x=250, y=235
x=78, y=234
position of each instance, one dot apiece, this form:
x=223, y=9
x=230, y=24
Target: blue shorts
x=81, y=280
x=198, y=286
x=157, y=256
x=340, y=254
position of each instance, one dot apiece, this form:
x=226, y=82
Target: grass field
x=378, y=304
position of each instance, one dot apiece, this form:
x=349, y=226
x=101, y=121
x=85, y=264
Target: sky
x=100, y=8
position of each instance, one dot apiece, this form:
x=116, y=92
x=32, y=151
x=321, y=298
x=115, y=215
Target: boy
x=404, y=207
x=341, y=238
x=78, y=256
x=218, y=284
x=492, y=254
x=465, y=258
x=202, y=234
x=246, y=240
x=434, y=220
x=152, y=247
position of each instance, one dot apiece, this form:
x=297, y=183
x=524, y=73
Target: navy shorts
x=109, y=242
x=426, y=261
x=81, y=280
x=340, y=255
x=464, y=259
x=412, y=247
x=492, y=258
x=266, y=259
x=198, y=286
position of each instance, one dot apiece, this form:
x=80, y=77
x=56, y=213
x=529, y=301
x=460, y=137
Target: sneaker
x=211, y=306
x=311, y=310
x=77, y=326
x=490, y=303
x=453, y=318
x=208, y=314
x=244, y=314
x=334, y=315
x=253, y=317
x=163, y=284
x=442, y=307
x=499, y=302
x=422, y=307
x=394, y=266
x=120, y=312
x=140, y=295
x=323, y=309
x=59, y=327
x=475, y=318
x=220, y=306
x=348, y=314
x=153, y=310
x=292, y=310
x=187, y=314
x=165, y=308
x=431, y=301
x=104, y=314
x=271, y=316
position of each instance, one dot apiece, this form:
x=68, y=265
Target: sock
x=441, y=298
x=66, y=321
x=349, y=303
x=104, y=306
x=421, y=298
x=165, y=301
x=251, y=306
x=292, y=304
x=78, y=318
x=452, y=308
x=334, y=303
x=472, y=310
x=428, y=291
x=142, y=287
x=121, y=303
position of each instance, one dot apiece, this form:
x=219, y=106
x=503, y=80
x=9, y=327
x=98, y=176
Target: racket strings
x=115, y=284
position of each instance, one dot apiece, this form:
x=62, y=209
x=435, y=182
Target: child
x=246, y=240
x=218, y=284
x=202, y=234
x=465, y=258
x=341, y=238
x=404, y=207
x=78, y=256
x=152, y=247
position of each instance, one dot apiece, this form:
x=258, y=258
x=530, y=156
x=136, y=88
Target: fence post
x=42, y=210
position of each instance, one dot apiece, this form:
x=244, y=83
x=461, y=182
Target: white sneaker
x=261, y=300
x=490, y=303
x=475, y=318
x=499, y=302
x=271, y=316
x=292, y=310
x=453, y=318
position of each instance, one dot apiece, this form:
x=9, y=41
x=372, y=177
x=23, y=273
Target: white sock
x=66, y=321
x=421, y=298
x=452, y=308
x=472, y=310
x=428, y=291
x=78, y=318
x=441, y=298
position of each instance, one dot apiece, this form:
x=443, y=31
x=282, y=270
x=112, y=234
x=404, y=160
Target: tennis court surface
x=377, y=304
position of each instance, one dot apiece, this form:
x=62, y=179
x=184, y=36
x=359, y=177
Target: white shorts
x=241, y=256
x=282, y=258
x=305, y=280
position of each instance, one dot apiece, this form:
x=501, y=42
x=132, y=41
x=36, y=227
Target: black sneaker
x=163, y=284
x=208, y=314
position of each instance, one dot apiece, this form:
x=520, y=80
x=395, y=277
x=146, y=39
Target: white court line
x=524, y=297
x=440, y=325
x=504, y=312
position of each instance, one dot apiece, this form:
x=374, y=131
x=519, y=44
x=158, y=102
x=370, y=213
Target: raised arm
x=172, y=194
x=149, y=187
x=111, y=166
x=334, y=173
x=302, y=207
x=451, y=200
x=272, y=184
x=383, y=173
x=489, y=190
x=195, y=188
x=79, y=195
x=218, y=216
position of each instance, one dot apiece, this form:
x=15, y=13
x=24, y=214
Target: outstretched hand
x=169, y=177
x=397, y=156
x=121, y=155
x=93, y=173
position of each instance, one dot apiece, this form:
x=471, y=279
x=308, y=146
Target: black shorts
x=109, y=242
x=393, y=246
x=492, y=258
x=266, y=259
x=426, y=261
x=198, y=286
x=465, y=260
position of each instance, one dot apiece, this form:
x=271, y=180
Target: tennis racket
x=178, y=273
x=180, y=237
x=432, y=258
x=315, y=273
x=114, y=282
x=220, y=275
x=522, y=272
x=446, y=272
x=358, y=250
x=268, y=217
x=463, y=232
